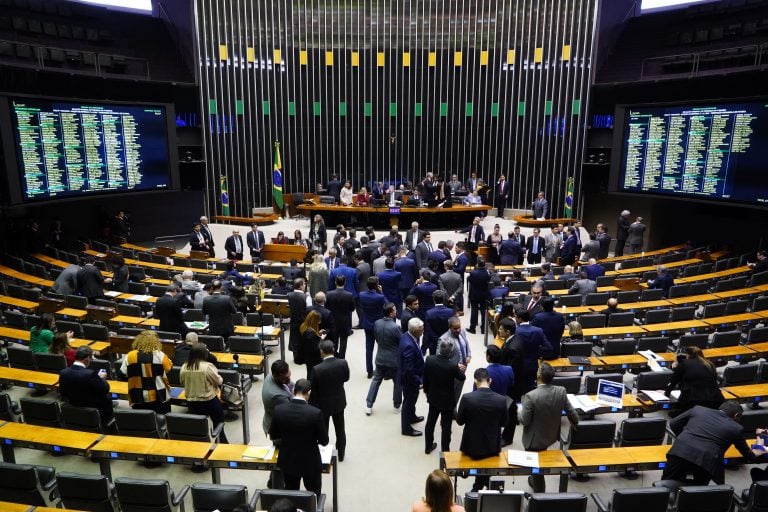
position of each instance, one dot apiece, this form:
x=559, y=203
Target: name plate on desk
x=394, y=210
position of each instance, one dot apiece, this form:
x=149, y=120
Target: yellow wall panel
x=484, y=58
x=250, y=55
x=380, y=59
x=329, y=58
x=406, y=59
x=355, y=59
x=223, y=52
x=432, y=59
x=567, y=52
x=538, y=55
x=277, y=56
x=457, y=58
x=510, y=57
x=303, y=57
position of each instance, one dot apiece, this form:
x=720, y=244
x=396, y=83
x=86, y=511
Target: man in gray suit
x=590, y=249
x=582, y=287
x=540, y=417
x=453, y=285
x=276, y=390
x=66, y=283
x=540, y=206
x=387, y=333
x=635, y=235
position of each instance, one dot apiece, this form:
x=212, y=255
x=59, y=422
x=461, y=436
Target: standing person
x=90, y=281
x=168, y=311
x=311, y=336
x=478, y=295
x=198, y=240
x=83, y=387
x=387, y=334
x=553, y=325
x=696, y=377
x=540, y=206
x=622, y=233
x=520, y=239
x=234, y=246
x=333, y=187
x=540, y=417
x=439, y=376
x=502, y=380
x=120, y=275
x=604, y=241
x=423, y=249
x=327, y=379
x=146, y=366
x=501, y=195
x=202, y=384
x=372, y=307
x=42, y=334
x=297, y=305
x=438, y=495
x=318, y=235
x=461, y=354
x=535, y=247
x=408, y=272
x=493, y=241
x=208, y=235
x=436, y=322
x=703, y=436
x=390, y=279
x=483, y=414
x=317, y=276
x=66, y=283
x=552, y=244
x=411, y=310
x=297, y=428
x=635, y=235
x=345, y=194
x=453, y=284
x=341, y=303
x=411, y=373
x=219, y=309
x=475, y=233
x=590, y=250
x=569, y=249
x=510, y=250
x=413, y=237
x=255, y=240
x=276, y=390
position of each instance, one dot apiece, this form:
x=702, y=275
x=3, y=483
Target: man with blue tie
x=389, y=279
x=255, y=241
x=535, y=245
x=332, y=261
x=540, y=206
x=411, y=365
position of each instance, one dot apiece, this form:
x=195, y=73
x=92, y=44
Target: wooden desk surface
x=124, y=444
x=150, y=322
x=185, y=449
x=673, y=264
x=739, y=292
x=614, y=331
x=760, y=348
x=129, y=297
x=648, y=454
x=628, y=360
x=551, y=459
x=18, y=303
x=627, y=402
x=675, y=326
x=244, y=359
x=588, y=457
x=745, y=391
x=456, y=208
x=731, y=319
x=126, y=320
x=49, y=435
x=31, y=376
x=7, y=506
x=647, y=304
x=72, y=312
x=728, y=352
x=578, y=310
x=250, y=330
x=563, y=362
x=693, y=299
x=655, y=252
x=22, y=337
x=234, y=453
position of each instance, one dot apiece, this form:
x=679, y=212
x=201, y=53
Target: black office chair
x=757, y=335
x=129, y=331
x=760, y=303
x=191, y=427
x=303, y=500
x=704, y=498
x=713, y=310
x=740, y=374
x=605, y=281
x=28, y=484
x=160, y=273
x=66, y=326
x=49, y=363
x=136, y=495
x=552, y=284
x=641, y=432
x=752, y=419
x=700, y=288
x=9, y=410
x=194, y=315
x=245, y=345
x=726, y=339
x=640, y=499
x=596, y=299
x=682, y=314
x=557, y=502
x=572, y=384
x=94, y=493
x=95, y=332
x=592, y=321
x=629, y=296
x=657, y=316
x=258, y=320
x=157, y=290
x=576, y=348
x=736, y=307
x=623, y=319
x=589, y=434
x=651, y=295
x=565, y=300
x=679, y=290
x=76, y=302
x=139, y=423
x=694, y=340
x=210, y=497
x=653, y=380
x=21, y=357
x=41, y=411
x=627, y=264
x=654, y=343
x=137, y=288
x=591, y=381
x=168, y=335
x=619, y=347
x=15, y=319
x=758, y=279
x=85, y=419
x=214, y=343
x=128, y=309
x=754, y=499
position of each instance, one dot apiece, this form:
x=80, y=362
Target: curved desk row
x=443, y=218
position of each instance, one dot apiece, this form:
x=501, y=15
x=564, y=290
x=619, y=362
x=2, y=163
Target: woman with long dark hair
x=120, y=275
x=41, y=335
x=202, y=384
x=438, y=495
x=696, y=377
x=311, y=336
x=318, y=235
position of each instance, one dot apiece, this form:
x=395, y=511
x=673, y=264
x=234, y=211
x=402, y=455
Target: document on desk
x=582, y=402
x=655, y=396
x=113, y=293
x=259, y=452
x=140, y=298
x=653, y=360
x=523, y=458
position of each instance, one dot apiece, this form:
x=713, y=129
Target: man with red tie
x=502, y=193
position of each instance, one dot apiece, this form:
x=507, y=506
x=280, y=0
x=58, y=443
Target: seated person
x=363, y=198
x=83, y=387
x=182, y=350
x=280, y=239
x=415, y=198
x=232, y=274
x=473, y=199
x=281, y=287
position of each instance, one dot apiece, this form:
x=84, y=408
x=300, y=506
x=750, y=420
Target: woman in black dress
x=696, y=377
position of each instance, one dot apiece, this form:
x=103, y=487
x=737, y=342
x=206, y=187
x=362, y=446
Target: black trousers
x=679, y=469
x=534, y=259
x=338, y=427
x=508, y=434
x=313, y=481
x=408, y=411
x=619, y=249
x=446, y=419
x=158, y=407
x=341, y=346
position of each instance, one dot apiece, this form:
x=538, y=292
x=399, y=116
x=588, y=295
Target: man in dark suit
x=439, y=376
x=436, y=322
x=409, y=272
x=333, y=188
x=197, y=240
x=66, y=283
x=474, y=231
x=553, y=325
x=219, y=308
x=510, y=250
x=409, y=311
x=622, y=233
x=703, y=436
x=168, y=311
x=483, y=412
x=234, y=246
x=208, y=234
x=421, y=253
x=411, y=365
x=540, y=206
x=327, y=322
x=535, y=245
x=437, y=258
x=478, y=295
x=83, y=387
x=341, y=303
x=90, y=282
x=663, y=281
x=293, y=271
x=603, y=240
x=349, y=274
x=500, y=195
x=297, y=305
x=297, y=428
x=413, y=236
x=423, y=290
x=569, y=249
x=328, y=395
x=255, y=240
x=387, y=334
x=520, y=239
x=532, y=301
x=389, y=279
x=372, y=306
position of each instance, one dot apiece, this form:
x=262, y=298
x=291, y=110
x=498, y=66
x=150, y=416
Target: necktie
x=535, y=245
x=429, y=247
x=414, y=240
x=531, y=304
x=463, y=350
x=472, y=234
x=237, y=244
x=332, y=260
x=256, y=241
x=200, y=239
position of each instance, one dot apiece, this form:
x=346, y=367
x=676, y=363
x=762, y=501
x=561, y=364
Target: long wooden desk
x=551, y=462
x=406, y=214
x=713, y=275
x=26, y=278
x=656, y=252
x=21, y=336
x=640, y=270
x=7, y=506
x=24, y=305
x=50, y=439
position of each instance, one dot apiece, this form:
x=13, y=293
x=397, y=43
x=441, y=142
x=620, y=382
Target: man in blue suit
x=332, y=261
x=438, y=257
x=474, y=231
x=436, y=322
x=510, y=250
x=423, y=290
x=411, y=364
x=389, y=279
x=372, y=307
x=350, y=276
x=409, y=272
x=664, y=281
x=569, y=249
x=553, y=325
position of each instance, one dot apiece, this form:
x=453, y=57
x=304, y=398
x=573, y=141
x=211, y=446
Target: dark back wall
x=391, y=90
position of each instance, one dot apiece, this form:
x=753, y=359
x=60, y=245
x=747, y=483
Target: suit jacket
x=168, y=311
x=589, y=250
x=334, y=189
x=439, y=375
x=66, y=283
x=423, y=292
x=291, y=273
x=300, y=428
x=483, y=413
x=594, y=271
x=703, y=436
x=552, y=246
x=405, y=316
x=421, y=254
x=231, y=248
x=568, y=251
x=540, y=416
x=540, y=247
x=350, y=277
x=387, y=334
x=372, y=307
x=219, y=309
x=120, y=279
x=510, y=251
x=501, y=190
x=553, y=325
x=529, y=343
x=328, y=380
x=664, y=282
x=390, y=285
x=408, y=272
x=90, y=281
x=478, y=282
x=272, y=395
x=622, y=228
x=604, y=241
x=540, y=208
x=409, y=235
x=254, y=241
x=194, y=241
x=460, y=265
x=326, y=320
x=82, y=387
x=525, y=300
x=635, y=233
x=583, y=287
x=341, y=303
x=411, y=362
x=363, y=271
x=698, y=384
x=479, y=233
x=436, y=324
x=335, y=264
x=453, y=284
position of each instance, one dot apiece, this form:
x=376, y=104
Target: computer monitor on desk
x=505, y=501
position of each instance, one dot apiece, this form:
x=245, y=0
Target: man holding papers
x=540, y=417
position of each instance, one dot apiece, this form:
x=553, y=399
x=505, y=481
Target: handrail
x=170, y=238
x=631, y=12
x=755, y=49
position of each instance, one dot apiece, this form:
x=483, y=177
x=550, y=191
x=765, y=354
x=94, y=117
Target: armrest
x=216, y=432
x=255, y=498
x=565, y=438
x=110, y=425
x=601, y=506
x=741, y=501
x=178, y=497
x=50, y=484
x=321, y=502
x=247, y=384
x=670, y=433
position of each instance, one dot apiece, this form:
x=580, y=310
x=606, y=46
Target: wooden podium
x=628, y=284
x=283, y=252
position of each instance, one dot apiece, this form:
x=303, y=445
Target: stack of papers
x=656, y=396
x=523, y=458
x=582, y=402
x=142, y=298
x=112, y=294
x=259, y=452
x=653, y=360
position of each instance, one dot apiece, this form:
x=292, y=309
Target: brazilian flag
x=569, y=198
x=277, y=178
x=224, y=195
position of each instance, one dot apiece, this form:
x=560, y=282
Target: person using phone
x=84, y=387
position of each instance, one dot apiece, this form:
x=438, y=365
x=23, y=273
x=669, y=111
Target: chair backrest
x=494, y=501
x=723, y=285
x=760, y=303
x=757, y=335
x=740, y=374
x=258, y=320
x=684, y=313
x=619, y=347
x=757, y=497
x=735, y=307
x=168, y=335
x=628, y=296
x=592, y=434
x=76, y=301
x=679, y=290
x=214, y=343
x=86, y=419
x=652, y=295
x=694, y=340
x=713, y=310
x=129, y=331
x=592, y=321
x=137, y=423
x=23, y=483
x=657, y=316
x=576, y=348
x=21, y=357
x=596, y=299
x=726, y=339
x=160, y=273
x=655, y=343
x=137, y=495
x=591, y=381
x=7, y=412
x=32, y=294
x=41, y=411
x=157, y=290
x=704, y=498
x=641, y=432
x=751, y=419
x=188, y=427
x=640, y=499
x=96, y=332
x=569, y=300
x=632, y=263
x=758, y=279
x=557, y=502
x=605, y=281
x=194, y=315
x=653, y=380
x=210, y=497
x=86, y=492
x=49, y=363
x=700, y=288
x=238, y=318
x=301, y=499
x=552, y=284
x=15, y=319
x=137, y=288
x=621, y=319
x=66, y=326
x=572, y=384
x=128, y=309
